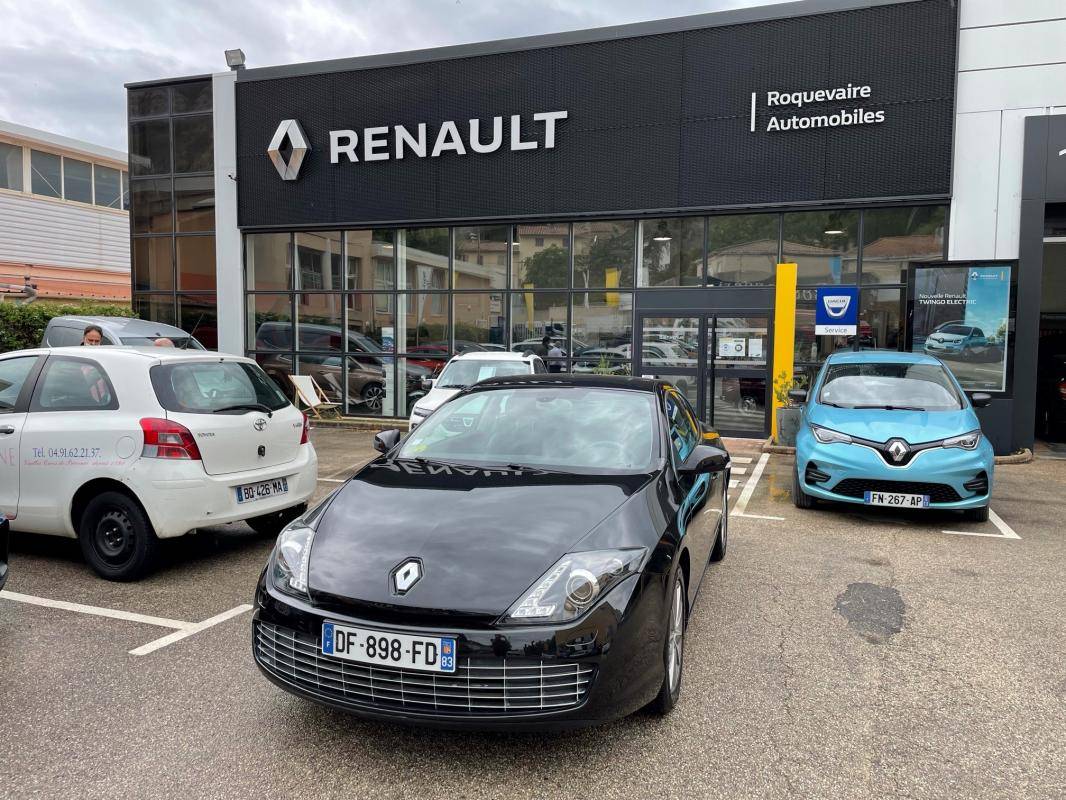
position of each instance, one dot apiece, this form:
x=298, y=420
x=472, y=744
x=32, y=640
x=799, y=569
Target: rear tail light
x=166, y=439
x=305, y=435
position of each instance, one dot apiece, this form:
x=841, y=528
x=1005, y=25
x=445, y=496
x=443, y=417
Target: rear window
x=215, y=387
x=915, y=387
x=180, y=342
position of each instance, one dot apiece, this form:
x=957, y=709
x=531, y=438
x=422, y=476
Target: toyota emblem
x=259, y=424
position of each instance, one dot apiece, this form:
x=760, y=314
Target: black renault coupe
x=527, y=558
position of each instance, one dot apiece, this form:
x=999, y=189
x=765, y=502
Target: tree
x=546, y=269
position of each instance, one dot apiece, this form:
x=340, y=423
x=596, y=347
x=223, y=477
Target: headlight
x=968, y=441
x=574, y=583
x=292, y=557
x=828, y=436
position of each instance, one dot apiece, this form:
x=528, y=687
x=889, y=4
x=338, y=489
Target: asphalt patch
x=873, y=611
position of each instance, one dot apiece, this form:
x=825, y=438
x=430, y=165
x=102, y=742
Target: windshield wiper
x=424, y=461
x=895, y=408
x=528, y=468
x=834, y=405
x=245, y=407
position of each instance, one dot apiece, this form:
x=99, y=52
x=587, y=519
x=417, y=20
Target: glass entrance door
x=718, y=362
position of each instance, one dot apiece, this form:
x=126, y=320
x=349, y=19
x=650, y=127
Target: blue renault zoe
x=884, y=428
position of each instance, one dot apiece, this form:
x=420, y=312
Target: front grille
x=479, y=686
x=857, y=487
x=977, y=484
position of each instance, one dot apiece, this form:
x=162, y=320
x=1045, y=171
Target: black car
x=527, y=558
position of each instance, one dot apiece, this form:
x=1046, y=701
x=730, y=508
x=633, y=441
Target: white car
x=466, y=369
x=120, y=447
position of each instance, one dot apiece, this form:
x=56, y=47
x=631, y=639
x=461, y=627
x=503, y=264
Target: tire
x=271, y=524
x=116, y=537
x=673, y=648
x=373, y=396
x=799, y=497
x=721, y=542
x=976, y=514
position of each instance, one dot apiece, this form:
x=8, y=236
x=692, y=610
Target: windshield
x=210, y=386
x=569, y=429
x=920, y=387
x=467, y=372
x=180, y=342
x=955, y=330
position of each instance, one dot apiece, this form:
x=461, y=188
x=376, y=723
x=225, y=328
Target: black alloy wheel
x=673, y=650
x=373, y=396
x=800, y=498
x=271, y=524
x=116, y=537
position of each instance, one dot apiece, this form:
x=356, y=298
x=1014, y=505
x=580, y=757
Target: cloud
x=63, y=63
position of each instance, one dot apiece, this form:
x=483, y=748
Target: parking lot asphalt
x=834, y=653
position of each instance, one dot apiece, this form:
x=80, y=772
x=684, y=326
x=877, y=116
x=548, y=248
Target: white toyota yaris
x=121, y=447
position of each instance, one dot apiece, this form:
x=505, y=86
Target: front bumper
x=602, y=667
x=941, y=473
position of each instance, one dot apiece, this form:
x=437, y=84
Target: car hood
x=947, y=338
x=436, y=398
x=484, y=536
x=880, y=425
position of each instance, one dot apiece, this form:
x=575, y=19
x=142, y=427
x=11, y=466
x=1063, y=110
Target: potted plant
x=788, y=412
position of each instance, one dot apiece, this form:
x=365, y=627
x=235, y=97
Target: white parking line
x=193, y=628
x=738, y=470
x=80, y=608
x=333, y=480
x=749, y=488
x=1005, y=530
x=740, y=459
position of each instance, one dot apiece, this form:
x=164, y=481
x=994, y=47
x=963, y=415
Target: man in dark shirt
x=542, y=348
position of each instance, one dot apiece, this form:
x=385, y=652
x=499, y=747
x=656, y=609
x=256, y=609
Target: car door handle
x=6, y=429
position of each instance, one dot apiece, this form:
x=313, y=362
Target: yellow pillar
x=611, y=278
x=784, y=335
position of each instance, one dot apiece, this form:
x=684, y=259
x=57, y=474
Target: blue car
x=891, y=429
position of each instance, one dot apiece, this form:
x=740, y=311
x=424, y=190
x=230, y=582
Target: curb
x=1024, y=457
x=777, y=449
x=373, y=424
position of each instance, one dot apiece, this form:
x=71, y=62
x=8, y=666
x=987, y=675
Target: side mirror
x=980, y=399
x=386, y=440
x=705, y=458
x=798, y=396
x=427, y=384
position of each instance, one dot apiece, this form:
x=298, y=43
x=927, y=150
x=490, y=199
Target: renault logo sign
x=898, y=450
x=406, y=575
x=288, y=129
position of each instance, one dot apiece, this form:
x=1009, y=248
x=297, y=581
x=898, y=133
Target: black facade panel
x=654, y=122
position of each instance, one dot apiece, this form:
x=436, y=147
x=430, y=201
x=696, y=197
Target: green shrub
x=23, y=326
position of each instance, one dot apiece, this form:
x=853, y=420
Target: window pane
x=481, y=257
x=108, y=186
x=671, y=252
x=479, y=319
x=881, y=319
x=198, y=315
x=74, y=385
x=10, y=166
x=425, y=259
x=45, y=174
x=320, y=320
x=893, y=237
x=318, y=258
x=603, y=254
x=149, y=102
x=192, y=97
x=371, y=261
x=13, y=374
x=535, y=315
x=371, y=323
x=193, y=144
x=823, y=244
x=742, y=249
x=151, y=206
x=157, y=308
x=125, y=191
x=194, y=204
x=150, y=147
x=540, y=256
x=668, y=343
x=267, y=261
x=426, y=320
x=278, y=367
x=811, y=350
x=370, y=386
x=77, y=180
x=153, y=264
x=196, y=262
x=270, y=321
x=602, y=331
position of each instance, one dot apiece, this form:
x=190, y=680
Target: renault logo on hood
x=406, y=575
x=290, y=130
x=898, y=450
x=836, y=305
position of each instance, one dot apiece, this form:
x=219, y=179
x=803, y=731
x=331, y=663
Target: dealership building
x=629, y=191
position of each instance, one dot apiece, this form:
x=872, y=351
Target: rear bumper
x=941, y=467
x=188, y=498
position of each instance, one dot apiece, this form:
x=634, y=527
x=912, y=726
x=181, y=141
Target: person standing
x=542, y=348
x=556, y=358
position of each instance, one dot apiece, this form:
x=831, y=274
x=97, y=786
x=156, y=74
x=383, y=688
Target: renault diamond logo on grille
x=898, y=450
x=406, y=575
x=290, y=130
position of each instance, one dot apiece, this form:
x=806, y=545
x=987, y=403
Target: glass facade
x=172, y=203
x=369, y=313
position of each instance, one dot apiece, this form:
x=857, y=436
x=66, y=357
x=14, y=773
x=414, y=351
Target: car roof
x=111, y=352
x=128, y=326
x=490, y=355
x=565, y=380
x=881, y=357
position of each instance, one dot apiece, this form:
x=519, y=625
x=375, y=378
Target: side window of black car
x=684, y=433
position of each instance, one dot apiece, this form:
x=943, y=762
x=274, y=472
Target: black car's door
x=685, y=434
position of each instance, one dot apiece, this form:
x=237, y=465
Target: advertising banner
x=836, y=311
x=962, y=316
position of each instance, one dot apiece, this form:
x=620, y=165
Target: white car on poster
x=120, y=447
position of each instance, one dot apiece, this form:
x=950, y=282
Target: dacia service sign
x=836, y=311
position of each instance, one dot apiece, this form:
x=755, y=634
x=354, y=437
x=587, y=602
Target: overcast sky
x=63, y=62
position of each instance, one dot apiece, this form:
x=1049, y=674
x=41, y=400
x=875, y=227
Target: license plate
x=895, y=499
x=262, y=490
x=381, y=648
